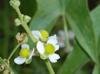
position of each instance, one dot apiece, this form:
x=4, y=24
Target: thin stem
x=14, y=50
x=25, y=26
x=66, y=32
x=51, y=71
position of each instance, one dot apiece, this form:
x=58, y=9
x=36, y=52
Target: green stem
x=14, y=50
x=25, y=26
x=51, y=71
x=66, y=32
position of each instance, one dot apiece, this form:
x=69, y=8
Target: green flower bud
x=17, y=22
x=15, y=3
x=44, y=35
x=27, y=18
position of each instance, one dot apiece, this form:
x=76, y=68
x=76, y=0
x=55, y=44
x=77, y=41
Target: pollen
x=24, y=52
x=49, y=49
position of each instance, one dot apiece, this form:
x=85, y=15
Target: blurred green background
x=8, y=32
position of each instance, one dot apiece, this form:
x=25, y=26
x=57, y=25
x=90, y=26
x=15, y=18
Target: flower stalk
x=66, y=32
x=15, y=4
x=51, y=71
x=24, y=25
x=14, y=50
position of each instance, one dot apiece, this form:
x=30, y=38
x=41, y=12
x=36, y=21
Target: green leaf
x=96, y=69
x=98, y=50
x=96, y=23
x=28, y=7
x=78, y=17
x=74, y=61
x=46, y=15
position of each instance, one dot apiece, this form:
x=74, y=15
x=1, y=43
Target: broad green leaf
x=74, y=61
x=77, y=14
x=46, y=15
x=96, y=69
x=96, y=23
x=98, y=49
x=28, y=7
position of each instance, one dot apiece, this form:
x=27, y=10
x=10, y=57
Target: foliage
x=70, y=14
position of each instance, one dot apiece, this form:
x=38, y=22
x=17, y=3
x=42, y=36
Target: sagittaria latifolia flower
x=48, y=49
x=25, y=54
x=40, y=35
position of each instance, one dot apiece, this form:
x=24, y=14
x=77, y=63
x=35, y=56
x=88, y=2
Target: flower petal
x=56, y=47
x=54, y=57
x=40, y=47
x=31, y=54
x=36, y=34
x=25, y=46
x=19, y=60
x=52, y=40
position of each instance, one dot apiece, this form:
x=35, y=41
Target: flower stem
x=25, y=26
x=66, y=32
x=51, y=71
x=14, y=50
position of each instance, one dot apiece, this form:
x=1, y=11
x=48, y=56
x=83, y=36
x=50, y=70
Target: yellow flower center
x=49, y=49
x=24, y=52
x=44, y=35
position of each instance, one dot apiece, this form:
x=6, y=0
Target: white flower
x=48, y=50
x=36, y=34
x=41, y=35
x=24, y=54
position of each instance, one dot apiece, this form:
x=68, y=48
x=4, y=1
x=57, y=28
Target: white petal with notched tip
x=19, y=60
x=52, y=40
x=40, y=47
x=54, y=57
x=36, y=34
x=25, y=46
